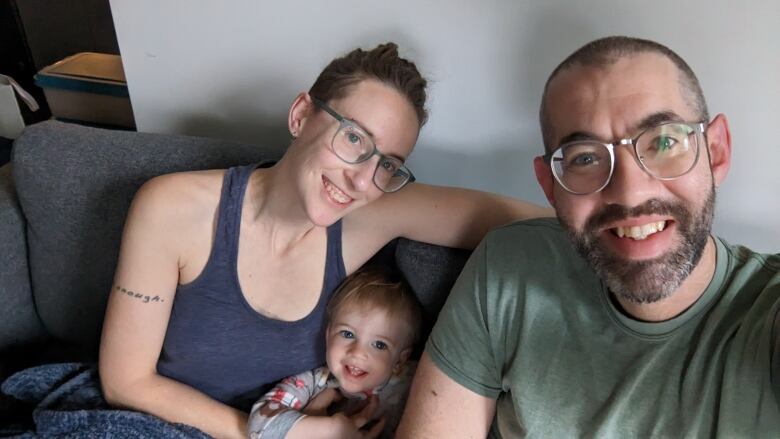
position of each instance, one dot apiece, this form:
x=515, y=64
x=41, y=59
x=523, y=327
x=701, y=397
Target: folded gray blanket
x=69, y=404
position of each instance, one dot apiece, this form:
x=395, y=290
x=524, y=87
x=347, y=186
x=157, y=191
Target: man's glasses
x=665, y=151
x=353, y=145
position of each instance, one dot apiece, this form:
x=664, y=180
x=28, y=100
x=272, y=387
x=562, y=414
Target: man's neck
x=686, y=294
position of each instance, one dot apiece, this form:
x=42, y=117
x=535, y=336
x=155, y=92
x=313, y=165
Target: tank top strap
x=335, y=272
x=234, y=183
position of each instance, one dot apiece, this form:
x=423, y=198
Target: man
x=624, y=318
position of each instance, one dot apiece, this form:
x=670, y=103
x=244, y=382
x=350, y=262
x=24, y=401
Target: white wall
x=231, y=68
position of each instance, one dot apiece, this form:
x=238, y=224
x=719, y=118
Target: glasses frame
x=343, y=121
x=698, y=126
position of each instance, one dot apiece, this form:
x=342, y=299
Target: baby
x=373, y=323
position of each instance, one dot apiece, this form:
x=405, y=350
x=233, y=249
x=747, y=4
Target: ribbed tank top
x=216, y=342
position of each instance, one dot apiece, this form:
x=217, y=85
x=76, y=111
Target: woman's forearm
x=178, y=403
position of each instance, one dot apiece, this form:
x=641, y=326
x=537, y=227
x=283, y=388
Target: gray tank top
x=217, y=343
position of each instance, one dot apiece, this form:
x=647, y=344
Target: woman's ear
x=299, y=111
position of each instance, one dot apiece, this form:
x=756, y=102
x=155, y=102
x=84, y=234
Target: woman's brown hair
x=381, y=63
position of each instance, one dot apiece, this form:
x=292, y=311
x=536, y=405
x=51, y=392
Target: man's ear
x=545, y=178
x=299, y=110
x=719, y=144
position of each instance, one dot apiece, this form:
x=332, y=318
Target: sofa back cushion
x=19, y=324
x=75, y=185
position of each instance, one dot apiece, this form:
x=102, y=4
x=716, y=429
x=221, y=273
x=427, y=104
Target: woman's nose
x=361, y=175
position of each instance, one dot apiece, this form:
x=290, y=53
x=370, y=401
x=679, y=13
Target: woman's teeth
x=335, y=193
x=640, y=232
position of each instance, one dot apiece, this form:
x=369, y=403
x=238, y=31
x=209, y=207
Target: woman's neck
x=273, y=206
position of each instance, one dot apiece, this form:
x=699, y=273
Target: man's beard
x=650, y=280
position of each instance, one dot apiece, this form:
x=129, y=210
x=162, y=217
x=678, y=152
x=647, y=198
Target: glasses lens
x=391, y=174
x=352, y=144
x=582, y=167
x=668, y=150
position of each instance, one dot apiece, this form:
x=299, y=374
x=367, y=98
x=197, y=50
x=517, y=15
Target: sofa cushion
x=431, y=271
x=75, y=185
x=19, y=323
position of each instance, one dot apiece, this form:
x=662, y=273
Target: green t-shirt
x=530, y=324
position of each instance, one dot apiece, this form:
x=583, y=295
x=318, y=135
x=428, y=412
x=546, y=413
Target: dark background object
x=37, y=33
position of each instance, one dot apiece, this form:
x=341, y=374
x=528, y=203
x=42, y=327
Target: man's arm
x=440, y=407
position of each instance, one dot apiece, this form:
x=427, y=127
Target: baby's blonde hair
x=374, y=288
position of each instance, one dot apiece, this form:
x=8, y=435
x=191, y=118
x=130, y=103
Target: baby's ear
x=401, y=360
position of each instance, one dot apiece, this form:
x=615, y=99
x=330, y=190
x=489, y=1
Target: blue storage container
x=88, y=87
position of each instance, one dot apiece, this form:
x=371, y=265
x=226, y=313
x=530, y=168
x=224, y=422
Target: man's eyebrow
x=657, y=119
x=578, y=136
x=648, y=122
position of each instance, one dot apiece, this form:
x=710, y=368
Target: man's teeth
x=640, y=232
x=336, y=193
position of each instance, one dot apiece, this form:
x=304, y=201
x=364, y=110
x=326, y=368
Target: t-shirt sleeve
x=460, y=343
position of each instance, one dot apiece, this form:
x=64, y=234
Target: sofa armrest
x=19, y=321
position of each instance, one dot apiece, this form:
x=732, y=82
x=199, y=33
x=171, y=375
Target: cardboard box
x=88, y=87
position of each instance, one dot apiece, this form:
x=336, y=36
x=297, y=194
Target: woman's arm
x=138, y=311
x=447, y=216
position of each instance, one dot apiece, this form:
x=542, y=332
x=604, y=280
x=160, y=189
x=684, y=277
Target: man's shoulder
x=536, y=229
x=751, y=282
x=530, y=248
x=748, y=270
x=534, y=237
x=741, y=256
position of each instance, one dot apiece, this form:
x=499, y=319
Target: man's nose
x=630, y=184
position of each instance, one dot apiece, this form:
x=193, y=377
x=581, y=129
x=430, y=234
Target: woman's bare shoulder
x=182, y=189
x=180, y=198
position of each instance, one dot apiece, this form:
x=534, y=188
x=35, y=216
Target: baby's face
x=364, y=346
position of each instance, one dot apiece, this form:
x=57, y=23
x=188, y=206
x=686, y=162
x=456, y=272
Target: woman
x=251, y=255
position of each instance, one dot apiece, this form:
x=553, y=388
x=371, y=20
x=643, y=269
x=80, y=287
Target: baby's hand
x=352, y=426
x=339, y=425
x=319, y=405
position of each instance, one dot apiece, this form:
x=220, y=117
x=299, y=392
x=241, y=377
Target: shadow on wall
x=555, y=32
x=504, y=169
x=242, y=118
x=254, y=129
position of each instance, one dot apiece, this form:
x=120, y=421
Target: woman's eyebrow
x=360, y=125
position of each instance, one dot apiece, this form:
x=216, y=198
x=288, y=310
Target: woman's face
x=329, y=187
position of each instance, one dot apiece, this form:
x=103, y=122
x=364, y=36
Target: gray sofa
x=63, y=200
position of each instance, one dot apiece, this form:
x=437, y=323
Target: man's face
x=642, y=235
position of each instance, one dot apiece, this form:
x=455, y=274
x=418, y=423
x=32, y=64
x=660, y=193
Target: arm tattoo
x=136, y=295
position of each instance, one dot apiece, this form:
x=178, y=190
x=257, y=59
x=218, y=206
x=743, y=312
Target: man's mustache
x=654, y=206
